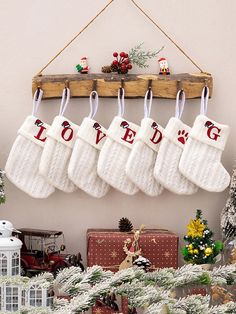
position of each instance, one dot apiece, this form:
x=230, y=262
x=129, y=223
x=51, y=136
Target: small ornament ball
x=208, y=251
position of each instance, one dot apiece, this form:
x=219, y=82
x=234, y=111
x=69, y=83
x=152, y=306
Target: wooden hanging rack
x=135, y=85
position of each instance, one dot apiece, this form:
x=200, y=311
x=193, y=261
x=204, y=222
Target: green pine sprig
x=139, y=57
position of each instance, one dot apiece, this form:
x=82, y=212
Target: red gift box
x=105, y=247
x=102, y=308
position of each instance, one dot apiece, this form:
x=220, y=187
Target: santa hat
x=162, y=59
x=38, y=122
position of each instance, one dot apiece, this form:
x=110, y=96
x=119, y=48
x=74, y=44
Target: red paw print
x=182, y=136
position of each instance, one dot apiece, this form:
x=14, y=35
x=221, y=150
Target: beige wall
x=32, y=31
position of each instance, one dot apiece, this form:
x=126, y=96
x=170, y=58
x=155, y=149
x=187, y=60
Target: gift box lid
x=102, y=231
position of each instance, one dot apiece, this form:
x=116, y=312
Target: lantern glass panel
x=3, y=264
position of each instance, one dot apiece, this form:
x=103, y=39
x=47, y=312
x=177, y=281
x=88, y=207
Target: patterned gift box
x=102, y=308
x=105, y=247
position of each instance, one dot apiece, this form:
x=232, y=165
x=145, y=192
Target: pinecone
x=125, y=225
x=142, y=263
x=106, y=69
x=114, y=68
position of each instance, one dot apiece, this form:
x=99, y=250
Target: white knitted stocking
x=82, y=168
x=115, y=152
x=141, y=162
x=23, y=161
x=166, y=169
x=58, y=148
x=201, y=158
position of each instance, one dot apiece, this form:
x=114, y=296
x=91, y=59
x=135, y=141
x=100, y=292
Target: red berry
x=126, y=61
x=122, y=54
x=126, y=55
x=115, y=54
x=129, y=66
x=115, y=62
x=123, y=66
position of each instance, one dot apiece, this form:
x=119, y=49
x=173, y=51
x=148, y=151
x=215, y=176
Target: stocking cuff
x=34, y=129
x=63, y=130
x=210, y=132
x=177, y=132
x=92, y=132
x=150, y=133
x=122, y=131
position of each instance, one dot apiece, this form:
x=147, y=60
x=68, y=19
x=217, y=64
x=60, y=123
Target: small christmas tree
x=201, y=248
x=2, y=193
x=228, y=216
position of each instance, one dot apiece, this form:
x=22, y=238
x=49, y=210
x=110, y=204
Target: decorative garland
x=150, y=291
x=44, y=280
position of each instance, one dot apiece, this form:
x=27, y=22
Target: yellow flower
x=195, y=228
x=208, y=251
x=190, y=246
x=195, y=251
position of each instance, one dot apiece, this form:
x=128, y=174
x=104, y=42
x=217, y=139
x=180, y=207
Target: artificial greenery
x=151, y=291
x=2, y=193
x=139, y=57
x=201, y=248
x=228, y=216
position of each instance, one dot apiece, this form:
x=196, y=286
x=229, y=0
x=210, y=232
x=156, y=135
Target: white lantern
x=9, y=250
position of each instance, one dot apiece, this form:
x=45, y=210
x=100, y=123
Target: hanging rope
x=163, y=32
x=98, y=14
x=74, y=38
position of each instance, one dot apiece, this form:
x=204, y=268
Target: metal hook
x=38, y=90
x=149, y=89
x=180, y=87
x=122, y=84
x=66, y=86
x=94, y=89
x=205, y=87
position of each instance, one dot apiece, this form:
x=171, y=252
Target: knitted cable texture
x=140, y=168
x=201, y=163
x=54, y=165
x=166, y=169
x=82, y=169
x=111, y=166
x=22, y=168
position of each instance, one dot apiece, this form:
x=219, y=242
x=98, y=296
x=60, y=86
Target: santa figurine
x=164, y=68
x=83, y=67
